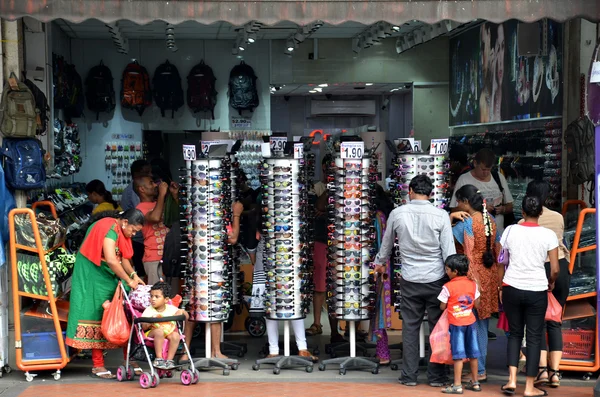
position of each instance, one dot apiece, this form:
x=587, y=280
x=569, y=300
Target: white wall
x=151, y=53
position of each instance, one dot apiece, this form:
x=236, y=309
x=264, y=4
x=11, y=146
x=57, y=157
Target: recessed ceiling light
x=318, y=89
x=396, y=28
x=323, y=85
x=368, y=84
x=312, y=91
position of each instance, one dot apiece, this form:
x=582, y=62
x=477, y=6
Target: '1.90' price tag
x=438, y=146
x=278, y=143
x=352, y=150
x=189, y=152
x=298, y=150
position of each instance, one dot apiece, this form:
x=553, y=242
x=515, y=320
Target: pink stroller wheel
x=186, y=377
x=145, y=380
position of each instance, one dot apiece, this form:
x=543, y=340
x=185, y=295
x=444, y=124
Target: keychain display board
x=288, y=244
x=118, y=157
x=351, y=187
x=208, y=213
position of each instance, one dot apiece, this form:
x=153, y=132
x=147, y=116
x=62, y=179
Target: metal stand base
x=285, y=362
x=333, y=349
x=347, y=363
x=233, y=348
x=209, y=363
x=264, y=352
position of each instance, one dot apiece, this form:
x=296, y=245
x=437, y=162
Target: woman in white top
x=524, y=290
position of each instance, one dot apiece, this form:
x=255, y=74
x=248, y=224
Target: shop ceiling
x=344, y=89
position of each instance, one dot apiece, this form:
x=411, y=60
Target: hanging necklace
x=538, y=71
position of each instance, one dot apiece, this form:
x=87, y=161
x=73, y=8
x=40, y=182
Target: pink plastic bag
x=440, y=341
x=554, y=310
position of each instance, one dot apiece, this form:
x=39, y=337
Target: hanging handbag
x=504, y=256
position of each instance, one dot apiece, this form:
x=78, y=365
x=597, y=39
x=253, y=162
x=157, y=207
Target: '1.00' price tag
x=352, y=150
x=298, y=150
x=438, y=146
x=189, y=152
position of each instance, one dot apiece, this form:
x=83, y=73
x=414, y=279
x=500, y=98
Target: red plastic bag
x=115, y=326
x=440, y=341
x=554, y=310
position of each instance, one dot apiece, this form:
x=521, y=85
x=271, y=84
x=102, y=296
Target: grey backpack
x=18, y=113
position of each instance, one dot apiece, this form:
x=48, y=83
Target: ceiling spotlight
x=396, y=28
x=418, y=36
x=399, y=46
x=253, y=27
x=380, y=32
x=368, y=84
x=290, y=45
x=368, y=40
x=251, y=38
x=387, y=29
x=324, y=85
x=318, y=89
x=240, y=43
x=312, y=91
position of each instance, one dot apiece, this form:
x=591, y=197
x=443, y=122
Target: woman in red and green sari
x=103, y=259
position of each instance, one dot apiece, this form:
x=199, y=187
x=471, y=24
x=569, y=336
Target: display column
x=287, y=245
x=207, y=286
x=351, y=282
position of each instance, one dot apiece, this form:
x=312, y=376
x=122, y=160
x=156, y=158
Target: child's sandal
x=453, y=389
x=473, y=386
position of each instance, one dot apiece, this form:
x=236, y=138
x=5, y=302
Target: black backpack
x=242, y=88
x=41, y=103
x=166, y=87
x=201, y=94
x=579, y=138
x=100, y=92
x=75, y=101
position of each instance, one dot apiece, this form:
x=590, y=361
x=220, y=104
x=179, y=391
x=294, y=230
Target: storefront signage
x=298, y=150
x=595, y=75
x=278, y=143
x=240, y=122
x=438, y=146
x=352, y=150
x=189, y=152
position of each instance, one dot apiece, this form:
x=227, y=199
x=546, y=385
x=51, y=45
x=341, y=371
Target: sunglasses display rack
x=350, y=278
x=207, y=208
x=288, y=246
x=409, y=165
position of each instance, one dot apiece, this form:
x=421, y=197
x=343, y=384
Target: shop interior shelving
x=40, y=363
x=580, y=350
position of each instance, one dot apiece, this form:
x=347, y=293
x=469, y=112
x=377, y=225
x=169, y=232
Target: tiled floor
x=259, y=389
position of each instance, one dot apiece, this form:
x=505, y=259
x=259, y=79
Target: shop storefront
x=383, y=70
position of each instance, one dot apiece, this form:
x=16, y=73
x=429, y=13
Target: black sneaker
x=440, y=384
x=492, y=336
x=406, y=383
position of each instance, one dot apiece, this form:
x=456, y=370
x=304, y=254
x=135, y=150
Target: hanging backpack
x=579, y=138
x=135, y=88
x=41, y=104
x=75, y=100
x=18, y=113
x=201, y=94
x=23, y=163
x=100, y=93
x=167, y=90
x=242, y=88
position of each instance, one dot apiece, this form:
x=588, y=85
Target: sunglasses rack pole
x=287, y=244
x=350, y=277
x=208, y=287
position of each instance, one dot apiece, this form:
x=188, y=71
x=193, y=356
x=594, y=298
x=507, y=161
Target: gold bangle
x=132, y=274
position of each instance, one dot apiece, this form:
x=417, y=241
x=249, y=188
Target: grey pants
x=418, y=298
x=153, y=271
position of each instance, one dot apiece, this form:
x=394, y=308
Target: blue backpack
x=23, y=163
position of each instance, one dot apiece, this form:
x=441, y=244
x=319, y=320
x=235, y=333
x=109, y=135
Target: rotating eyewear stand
x=209, y=362
x=352, y=362
x=286, y=361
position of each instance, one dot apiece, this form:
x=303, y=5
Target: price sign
x=189, y=152
x=352, y=150
x=278, y=143
x=438, y=146
x=417, y=146
x=298, y=150
x=205, y=147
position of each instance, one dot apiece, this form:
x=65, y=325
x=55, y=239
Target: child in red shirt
x=459, y=296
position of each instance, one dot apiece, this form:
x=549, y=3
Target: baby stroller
x=140, y=351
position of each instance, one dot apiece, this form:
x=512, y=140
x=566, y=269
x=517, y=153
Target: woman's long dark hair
x=97, y=186
x=133, y=216
x=470, y=194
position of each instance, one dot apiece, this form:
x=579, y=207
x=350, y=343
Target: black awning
x=300, y=12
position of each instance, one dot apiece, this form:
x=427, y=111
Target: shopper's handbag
x=439, y=340
x=504, y=256
x=554, y=310
x=115, y=326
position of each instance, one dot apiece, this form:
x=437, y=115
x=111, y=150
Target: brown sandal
x=314, y=330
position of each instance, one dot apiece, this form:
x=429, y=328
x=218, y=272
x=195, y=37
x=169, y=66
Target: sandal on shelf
x=103, y=375
x=554, y=374
x=315, y=329
x=453, y=389
x=473, y=386
x=540, y=378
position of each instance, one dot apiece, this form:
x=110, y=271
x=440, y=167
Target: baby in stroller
x=159, y=295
